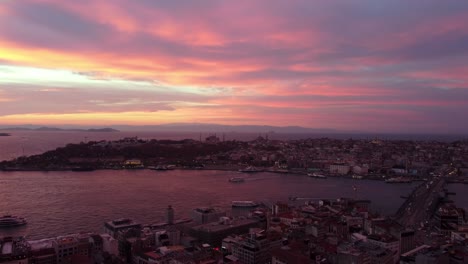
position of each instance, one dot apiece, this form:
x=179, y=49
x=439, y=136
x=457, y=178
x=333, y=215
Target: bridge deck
x=419, y=204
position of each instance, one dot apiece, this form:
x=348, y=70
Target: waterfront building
x=133, y=164
x=399, y=170
x=204, y=215
x=170, y=215
x=134, y=241
x=280, y=208
x=110, y=244
x=67, y=248
x=43, y=256
x=167, y=237
x=214, y=233
x=129, y=243
x=360, y=169
x=340, y=169
x=113, y=227
x=14, y=250
x=256, y=247
x=449, y=217
x=162, y=239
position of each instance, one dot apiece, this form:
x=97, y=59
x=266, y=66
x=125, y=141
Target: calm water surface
x=58, y=203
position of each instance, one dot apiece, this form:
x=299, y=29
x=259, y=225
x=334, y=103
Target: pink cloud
x=303, y=58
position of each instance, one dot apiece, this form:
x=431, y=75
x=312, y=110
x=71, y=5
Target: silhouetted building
x=170, y=215
x=206, y=215
x=113, y=227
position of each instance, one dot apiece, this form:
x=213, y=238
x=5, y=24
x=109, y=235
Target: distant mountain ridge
x=201, y=127
x=51, y=129
x=181, y=127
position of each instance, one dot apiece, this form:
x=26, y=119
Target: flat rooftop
x=7, y=248
x=64, y=241
x=41, y=244
x=206, y=210
x=121, y=223
x=214, y=227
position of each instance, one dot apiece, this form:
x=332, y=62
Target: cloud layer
x=393, y=66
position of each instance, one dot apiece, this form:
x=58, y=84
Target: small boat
x=398, y=180
x=159, y=168
x=11, y=221
x=250, y=169
x=245, y=204
x=317, y=176
x=236, y=180
x=82, y=169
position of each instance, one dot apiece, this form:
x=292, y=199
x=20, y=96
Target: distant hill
x=181, y=127
x=103, y=130
x=198, y=127
x=48, y=129
x=52, y=129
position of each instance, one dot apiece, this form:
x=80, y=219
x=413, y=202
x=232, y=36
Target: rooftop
x=383, y=238
x=121, y=223
x=41, y=244
x=7, y=248
x=206, y=210
x=214, y=227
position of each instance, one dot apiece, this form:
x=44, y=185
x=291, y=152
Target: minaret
x=170, y=215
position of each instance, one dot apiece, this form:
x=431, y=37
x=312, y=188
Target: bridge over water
x=420, y=204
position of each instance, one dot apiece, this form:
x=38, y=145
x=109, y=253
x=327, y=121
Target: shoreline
x=295, y=173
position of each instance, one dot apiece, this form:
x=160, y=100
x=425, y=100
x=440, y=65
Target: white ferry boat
x=315, y=175
x=11, y=221
x=236, y=180
x=244, y=204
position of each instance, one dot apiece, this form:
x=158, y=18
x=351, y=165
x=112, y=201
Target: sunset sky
x=367, y=65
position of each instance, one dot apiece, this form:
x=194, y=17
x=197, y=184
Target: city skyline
x=386, y=66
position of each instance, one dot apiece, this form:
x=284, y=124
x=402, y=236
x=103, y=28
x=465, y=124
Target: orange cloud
x=248, y=58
